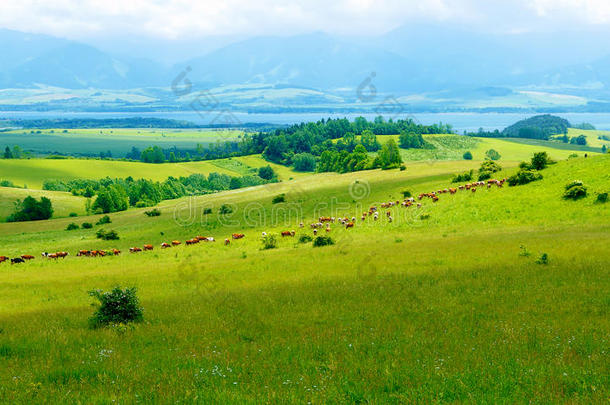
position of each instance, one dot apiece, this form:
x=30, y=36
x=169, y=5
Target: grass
x=63, y=203
x=119, y=141
x=416, y=311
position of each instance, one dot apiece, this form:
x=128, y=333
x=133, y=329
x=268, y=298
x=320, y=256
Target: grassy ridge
x=441, y=309
x=63, y=203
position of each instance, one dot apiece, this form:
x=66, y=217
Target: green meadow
x=119, y=141
x=445, y=304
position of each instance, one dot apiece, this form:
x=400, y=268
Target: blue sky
x=183, y=19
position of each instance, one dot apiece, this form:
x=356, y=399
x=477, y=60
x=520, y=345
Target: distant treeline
x=119, y=194
x=135, y=122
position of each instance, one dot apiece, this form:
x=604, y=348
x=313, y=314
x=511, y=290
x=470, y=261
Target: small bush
x=279, y=199
x=573, y=155
x=484, y=175
x=541, y=160
x=305, y=239
x=490, y=166
x=72, y=214
x=207, y=211
x=225, y=209
x=602, y=198
x=72, y=227
x=424, y=217
x=152, y=213
x=543, y=259
x=493, y=154
x=87, y=225
x=403, y=168
x=459, y=178
x=269, y=242
x=406, y=193
x=575, y=190
x=323, y=241
x=524, y=177
x=110, y=235
x=104, y=220
x=116, y=307
x=467, y=155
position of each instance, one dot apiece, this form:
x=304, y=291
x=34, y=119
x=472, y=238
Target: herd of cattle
x=323, y=222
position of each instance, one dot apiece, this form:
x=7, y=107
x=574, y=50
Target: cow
x=192, y=241
x=288, y=233
x=349, y=225
x=265, y=234
x=134, y=250
x=209, y=239
x=165, y=245
x=27, y=257
x=227, y=241
x=62, y=254
x=52, y=256
x=237, y=235
x=83, y=253
x=175, y=242
x=116, y=252
x=148, y=247
x=3, y=259
x=315, y=231
x=17, y=260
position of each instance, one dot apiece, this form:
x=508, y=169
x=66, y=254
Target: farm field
x=592, y=137
x=63, y=203
x=119, y=141
x=452, y=147
x=444, y=304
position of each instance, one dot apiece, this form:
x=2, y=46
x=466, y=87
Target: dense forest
x=538, y=127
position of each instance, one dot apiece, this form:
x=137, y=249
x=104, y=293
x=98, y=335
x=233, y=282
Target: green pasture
x=63, y=203
x=444, y=304
x=118, y=141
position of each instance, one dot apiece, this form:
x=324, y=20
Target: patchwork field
x=447, y=303
x=118, y=141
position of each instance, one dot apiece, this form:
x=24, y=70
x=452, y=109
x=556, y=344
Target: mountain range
x=420, y=64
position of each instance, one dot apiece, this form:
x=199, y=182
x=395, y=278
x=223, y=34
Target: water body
x=460, y=121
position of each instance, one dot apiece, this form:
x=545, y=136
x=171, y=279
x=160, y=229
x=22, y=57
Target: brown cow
x=3, y=259
x=134, y=250
x=165, y=245
x=27, y=257
x=227, y=241
x=116, y=252
x=237, y=235
x=84, y=253
x=175, y=242
x=349, y=225
x=62, y=254
x=192, y=241
x=288, y=233
x=148, y=247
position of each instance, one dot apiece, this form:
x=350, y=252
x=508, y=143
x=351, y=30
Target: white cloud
x=196, y=18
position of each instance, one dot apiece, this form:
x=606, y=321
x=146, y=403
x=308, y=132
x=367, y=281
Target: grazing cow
x=192, y=241
x=17, y=260
x=474, y=190
x=265, y=234
x=52, y=256
x=62, y=254
x=301, y=225
x=175, y=242
x=349, y=225
x=27, y=257
x=390, y=219
x=3, y=259
x=165, y=245
x=102, y=253
x=83, y=253
x=148, y=247
x=315, y=231
x=227, y=241
x=209, y=239
x=116, y=252
x=134, y=250
x=237, y=235
x=288, y=233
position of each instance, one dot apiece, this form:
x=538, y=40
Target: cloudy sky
x=179, y=19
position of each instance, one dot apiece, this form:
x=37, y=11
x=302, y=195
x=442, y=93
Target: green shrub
x=575, y=190
x=493, y=154
x=406, y=193
x=207, y=211
x=323, y=241
x=602, y=198
x=87, y=225
x=467, y=155
x=543, y=259
x=110, y=235
x=104, y=220
x=73, y=214
x=72, y=226
x=116, y=307
x=152, y=213
x=459, y=178
x=225, y=209
x=403, y=168
x=524, y=177
x=484, y=175
x=305, y=239
x=540, y=160
x=490, y=166
x=269, y=242
x=279, y=199
x=31, y=210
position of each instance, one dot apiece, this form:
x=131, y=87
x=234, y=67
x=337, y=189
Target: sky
x=188, y=19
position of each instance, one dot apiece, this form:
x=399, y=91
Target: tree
x=467, y=155
x=266, y=172
x=172, y=157
x=304, y=162
x=153, y=154
x=604, y=149
x=7, y=153
x=31, y=210
x=540, y=160
x=369, y=141
x=411, y=140
x=492, y=154
x=17, y=152
x=390, y=155
x=276, y=148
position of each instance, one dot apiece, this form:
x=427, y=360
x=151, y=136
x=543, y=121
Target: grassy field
x=118, y=141
x=592, y=137
x=436, y=310
x=63, y=203
x=453, y=147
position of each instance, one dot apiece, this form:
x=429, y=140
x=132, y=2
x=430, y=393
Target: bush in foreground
x=269, y=242
x=575, y=190
x=31, y=210
x=72, y=227
x=323, y=241
x=524, y=176
x=305, y=239
x=116, y=307
x=602, y=198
